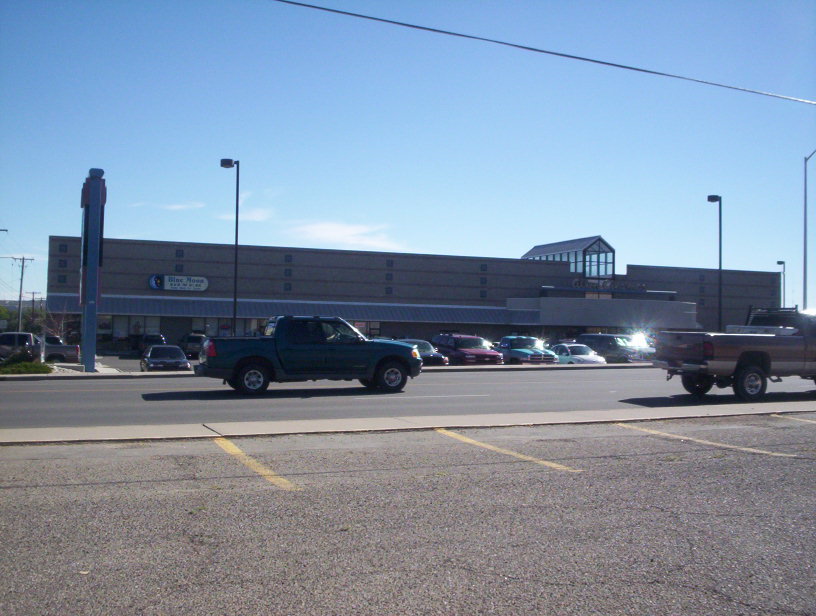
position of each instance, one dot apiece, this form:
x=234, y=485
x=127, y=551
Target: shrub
x=25, y=367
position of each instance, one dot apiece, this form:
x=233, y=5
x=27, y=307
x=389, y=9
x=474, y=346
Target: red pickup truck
x=773, y=344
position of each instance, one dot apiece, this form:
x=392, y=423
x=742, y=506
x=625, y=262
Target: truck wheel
x=368, y=383
x=391, y=377
x=252, y=379
x=750, y=383
x=697, y=385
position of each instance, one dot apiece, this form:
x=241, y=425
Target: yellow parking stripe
x=507, y=452
x=253, y=464
x=703, y=442
x=793, y=418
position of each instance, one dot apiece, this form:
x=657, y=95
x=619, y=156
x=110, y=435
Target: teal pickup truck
x=308, y=349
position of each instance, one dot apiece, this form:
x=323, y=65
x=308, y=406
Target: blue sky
x=361, y=135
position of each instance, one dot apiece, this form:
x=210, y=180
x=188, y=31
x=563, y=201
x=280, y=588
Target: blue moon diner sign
x=169, y=282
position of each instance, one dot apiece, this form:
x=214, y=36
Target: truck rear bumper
x=682, y=368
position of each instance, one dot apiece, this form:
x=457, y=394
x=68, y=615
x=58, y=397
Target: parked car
x=146, y=340
x=462, y=349
x=164, y=357
x=430, y=356
x=525, y=350
x=56, y=350
x=192, y=344
x=643, y=347
x=613, y=347
x=18, y=342
x=572, y=353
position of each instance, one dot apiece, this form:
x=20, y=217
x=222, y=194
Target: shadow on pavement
x=281, y=394
x=714, y=399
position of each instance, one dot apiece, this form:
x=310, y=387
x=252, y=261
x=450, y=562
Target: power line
x=544, y=51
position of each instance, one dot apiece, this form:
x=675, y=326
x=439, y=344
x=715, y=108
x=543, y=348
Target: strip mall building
x=553, y=291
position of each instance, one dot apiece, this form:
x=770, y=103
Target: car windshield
x=580, y=349
x=526, y=343
x=472, y=343
x=423, y=346
x=195, y=338
x=166, y=353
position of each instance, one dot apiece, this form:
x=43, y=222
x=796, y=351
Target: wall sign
x=169, y=282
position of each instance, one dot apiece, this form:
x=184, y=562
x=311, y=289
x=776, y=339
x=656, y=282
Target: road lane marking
x=507, y=452
x=793, y=418
x=704, y=442
x=254, y=465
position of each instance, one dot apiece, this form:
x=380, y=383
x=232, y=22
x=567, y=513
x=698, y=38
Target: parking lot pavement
x=699, y=523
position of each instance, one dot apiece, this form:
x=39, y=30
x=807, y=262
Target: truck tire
x=697, y=385
x=750, y=383
x=252, y=379
x=391, y=377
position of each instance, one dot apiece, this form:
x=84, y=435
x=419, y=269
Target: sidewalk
x=20, y=436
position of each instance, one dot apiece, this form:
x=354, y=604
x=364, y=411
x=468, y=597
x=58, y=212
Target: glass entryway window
x=599, y=261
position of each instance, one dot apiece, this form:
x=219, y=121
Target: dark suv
x=613, y=347
x=461, y=349
x=191, y=344
x=147, y=340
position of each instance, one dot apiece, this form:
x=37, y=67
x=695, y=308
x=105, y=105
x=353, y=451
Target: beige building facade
x=178, y=287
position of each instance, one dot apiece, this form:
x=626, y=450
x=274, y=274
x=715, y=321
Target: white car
x=577, y=354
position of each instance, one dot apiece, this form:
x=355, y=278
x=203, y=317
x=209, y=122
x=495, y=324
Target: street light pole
x=718, y=200
x=804, y=257
x=228, y=163
x=782, y=263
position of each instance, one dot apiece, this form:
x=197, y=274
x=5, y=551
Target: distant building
x=554, y=290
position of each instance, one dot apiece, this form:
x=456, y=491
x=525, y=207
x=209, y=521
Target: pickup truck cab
x=300, y=348
x=773, y=344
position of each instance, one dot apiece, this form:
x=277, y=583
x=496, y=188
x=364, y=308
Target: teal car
x=525, y=350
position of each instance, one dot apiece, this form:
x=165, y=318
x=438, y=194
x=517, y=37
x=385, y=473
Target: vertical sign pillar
x=93, y=206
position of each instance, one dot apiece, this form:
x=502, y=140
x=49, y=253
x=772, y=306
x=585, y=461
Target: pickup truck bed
x=744, y=361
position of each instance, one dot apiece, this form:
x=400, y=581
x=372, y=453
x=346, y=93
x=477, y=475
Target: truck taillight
x=708, y=350
x=209, y=349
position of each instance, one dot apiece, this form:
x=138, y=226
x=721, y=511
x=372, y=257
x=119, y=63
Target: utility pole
x=22, y=260
x=33, y=306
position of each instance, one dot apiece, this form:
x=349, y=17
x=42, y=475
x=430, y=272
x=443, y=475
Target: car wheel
x=697, y=385
x=368, y=383
x=750, y=383
x=252, y=379
x=391, y=377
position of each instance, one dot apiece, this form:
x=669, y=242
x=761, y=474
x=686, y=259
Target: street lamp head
x=227, y=163
x=780, y=263
x=711, y=198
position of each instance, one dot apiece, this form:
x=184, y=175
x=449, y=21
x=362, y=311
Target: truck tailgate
x=677, y=348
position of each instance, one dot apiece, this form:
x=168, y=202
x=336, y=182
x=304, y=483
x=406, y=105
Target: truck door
x=345, y=352
x=302, y=347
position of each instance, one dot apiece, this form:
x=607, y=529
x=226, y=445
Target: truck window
x=339, y=333
x=306, y=332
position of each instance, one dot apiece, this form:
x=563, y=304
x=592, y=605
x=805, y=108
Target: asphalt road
x=708, y=517
x=157, y=401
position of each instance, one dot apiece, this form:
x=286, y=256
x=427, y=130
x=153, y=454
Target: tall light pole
x=718, y=200
x=804, y=257
x=228, y=163
x=782, y=263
